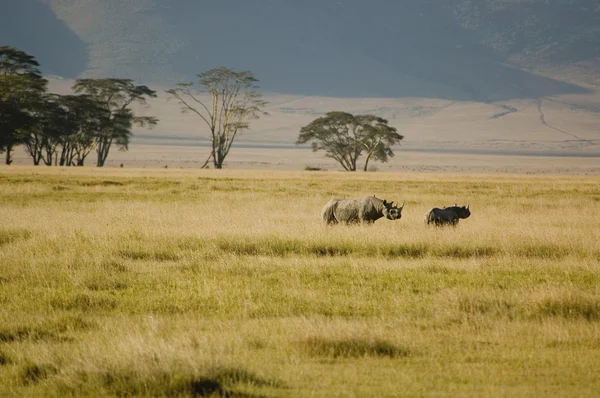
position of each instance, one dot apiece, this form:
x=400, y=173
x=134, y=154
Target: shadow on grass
x=216, y=382
x=280, y=248
x=34, y=373
x=50, y=330
x=567, y=306
x=353, y=348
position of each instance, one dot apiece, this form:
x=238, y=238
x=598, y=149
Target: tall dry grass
x=182, y=283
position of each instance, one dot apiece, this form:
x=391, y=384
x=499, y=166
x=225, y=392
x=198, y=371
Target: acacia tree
x=21, y=88
x=115, y=96
x=233, y=101
x=345, y=137
x=83, y=118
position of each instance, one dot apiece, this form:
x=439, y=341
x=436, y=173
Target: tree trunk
x=8, y=160
x=219, y=158
x=103, y=149
x=64, y=155
x=367, y=161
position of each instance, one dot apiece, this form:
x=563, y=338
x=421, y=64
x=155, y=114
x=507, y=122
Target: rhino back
x=348, y=210
x=372, y=208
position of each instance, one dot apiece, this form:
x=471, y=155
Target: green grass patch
x=8, y=236
x=573, y=307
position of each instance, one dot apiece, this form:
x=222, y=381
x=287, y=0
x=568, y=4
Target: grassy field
x=118, y=282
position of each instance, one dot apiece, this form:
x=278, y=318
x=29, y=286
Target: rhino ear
x=384, y=202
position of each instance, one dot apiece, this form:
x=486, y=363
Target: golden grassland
x=119, y=282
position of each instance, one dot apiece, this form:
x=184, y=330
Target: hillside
x=478, y=77
x=479, y=50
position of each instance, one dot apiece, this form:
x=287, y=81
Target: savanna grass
x=225, y=283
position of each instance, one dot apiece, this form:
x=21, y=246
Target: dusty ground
x=159, y=156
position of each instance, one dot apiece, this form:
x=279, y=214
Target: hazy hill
x=482, y=50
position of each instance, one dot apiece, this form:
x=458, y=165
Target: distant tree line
x=63, y=130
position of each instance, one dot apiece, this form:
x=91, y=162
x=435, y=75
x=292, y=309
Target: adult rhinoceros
x=365, y=210
x=447, y=215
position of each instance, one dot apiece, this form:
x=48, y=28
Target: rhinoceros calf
x=447, y=215
x=365, y=210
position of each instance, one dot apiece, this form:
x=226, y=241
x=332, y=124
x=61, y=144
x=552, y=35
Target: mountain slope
x=482, y=50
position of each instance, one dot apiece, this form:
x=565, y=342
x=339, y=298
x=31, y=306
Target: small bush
x=311, y=168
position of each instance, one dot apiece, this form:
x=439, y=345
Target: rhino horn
x=402, y=207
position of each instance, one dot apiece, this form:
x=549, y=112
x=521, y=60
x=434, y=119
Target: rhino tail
x=328, y=212
x=428, y=217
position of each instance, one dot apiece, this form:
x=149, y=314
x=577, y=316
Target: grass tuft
x=87, y=302
x=34, y=373
x=104, y=183
x=4, y=359
x=51, y=330
x=579, y=307
x=113, y=266
x=543, y=251
x=490, y=306
x=133, y=254
x=16, y=334
x=460, y=252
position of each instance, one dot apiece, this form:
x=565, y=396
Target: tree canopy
x=233, y=101
x=21, y=89
x=346, y=137
x=115, y=97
